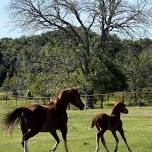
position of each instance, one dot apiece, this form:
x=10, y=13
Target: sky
x=6, y=29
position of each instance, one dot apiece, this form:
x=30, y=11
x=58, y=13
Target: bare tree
x=100, y=16
x=123, y=16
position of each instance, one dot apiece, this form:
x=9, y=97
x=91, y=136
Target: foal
x=111, y=122
x=37, y=118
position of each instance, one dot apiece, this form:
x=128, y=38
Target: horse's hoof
x=129, y=150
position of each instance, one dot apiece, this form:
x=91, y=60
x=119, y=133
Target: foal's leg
x=104, y=143
x=100, y=135
x=117, y=140
x=124, y=138
x=64, y=133
x=54, y=134
x=97, y=142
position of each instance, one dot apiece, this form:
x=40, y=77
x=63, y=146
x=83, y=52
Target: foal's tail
x=13, y=118
x=93, y=123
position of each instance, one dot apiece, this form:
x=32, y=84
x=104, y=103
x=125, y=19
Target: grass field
x=137, y=124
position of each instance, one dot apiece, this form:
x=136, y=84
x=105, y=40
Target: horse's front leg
x=117, y=140
x=124, y=138
x=64, y=134
x=54, y=134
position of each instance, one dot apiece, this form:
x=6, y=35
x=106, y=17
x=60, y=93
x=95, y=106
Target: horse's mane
x=54, y=101
x=117, y=104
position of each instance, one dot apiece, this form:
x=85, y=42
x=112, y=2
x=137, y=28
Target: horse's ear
x=76, y=88
x=121, y=99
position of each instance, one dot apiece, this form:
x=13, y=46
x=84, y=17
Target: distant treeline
x=43, y=64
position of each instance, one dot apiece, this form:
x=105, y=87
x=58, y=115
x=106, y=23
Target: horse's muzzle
x=81, y=107
x=126, y=111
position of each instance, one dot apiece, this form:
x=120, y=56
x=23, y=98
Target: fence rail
x=100, y=100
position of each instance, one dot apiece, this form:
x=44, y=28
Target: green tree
x=136, y=62
x=77, y=18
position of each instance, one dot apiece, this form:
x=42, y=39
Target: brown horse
x=111, y=122
x=37, y=118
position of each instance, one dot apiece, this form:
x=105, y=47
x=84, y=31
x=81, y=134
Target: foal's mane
x=116, y=105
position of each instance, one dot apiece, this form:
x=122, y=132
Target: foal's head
x=120, y=107
x=72, y=96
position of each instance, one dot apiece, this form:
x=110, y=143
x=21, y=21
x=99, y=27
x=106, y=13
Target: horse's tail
x=93, y=123
x=13, y=118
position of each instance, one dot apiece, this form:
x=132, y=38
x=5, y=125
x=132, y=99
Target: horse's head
x=120, y=107
x=72, y=96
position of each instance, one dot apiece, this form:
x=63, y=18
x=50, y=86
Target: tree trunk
x=89, y=97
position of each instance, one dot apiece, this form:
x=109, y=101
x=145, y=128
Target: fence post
x=101, y=99
x=108, y=101
x=16, y=100
x=135, y=97
x=6, y=100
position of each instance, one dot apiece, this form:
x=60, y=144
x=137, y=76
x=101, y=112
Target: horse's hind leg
x=25, y=146
x=117, y=140
x=26, y=136
x=100, y=135
x=124, y=138
x=97, y=142
x=24, y=130
x=104, y=143
x=54, y=134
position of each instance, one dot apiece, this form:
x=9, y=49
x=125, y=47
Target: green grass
x=137, y=124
